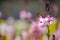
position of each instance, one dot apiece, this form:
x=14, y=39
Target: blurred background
x=20, y=19
x=11, y=7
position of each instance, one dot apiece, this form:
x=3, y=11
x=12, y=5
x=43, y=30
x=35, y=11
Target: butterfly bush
x=44, y=21
x=40, y=27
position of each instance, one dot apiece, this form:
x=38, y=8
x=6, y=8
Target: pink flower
x=0, y=14
x=57, y=34
x=22, y=14
x=29, y=15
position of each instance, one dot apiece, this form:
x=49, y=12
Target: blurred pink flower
x=0, y=14
x=57, y=34
x=55, y=7
x=22, y=14
x=29, y=15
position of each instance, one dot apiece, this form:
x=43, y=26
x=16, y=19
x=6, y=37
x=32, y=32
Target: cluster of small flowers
x=44, y=21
